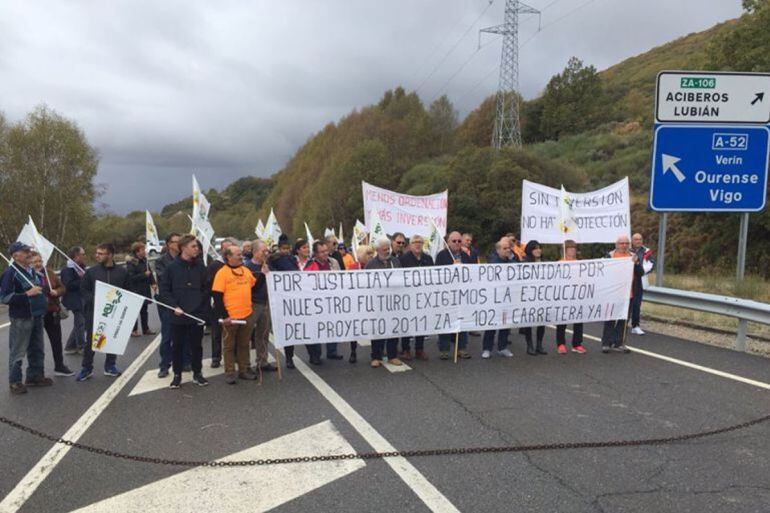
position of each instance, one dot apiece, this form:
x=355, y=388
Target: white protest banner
x=403, y=213
x=151, y=233
x=321, y=307
x=599, y=216
x=115, y=311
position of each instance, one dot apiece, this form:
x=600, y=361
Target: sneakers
x=421, y=355
x=63, y=371
x=506, y=353
x=637, y=331
x=18, y=388
x=605, y=349
x=112, y=371
x=248, y=375
x=405, y=355
x=163, y=373
x=375, y=363
x=71, y=350
x=395, y=361
x=579, y=350
x=465, y=355
x=231, y=379
x=135, y=334
x=561, y=349
x=199, y=380
x=84, y=374
x=41, y=381
x=486, y=355
x=176, y=382
x=444, y=355
x=150, y=332
x=215, y=364
x=621, y=349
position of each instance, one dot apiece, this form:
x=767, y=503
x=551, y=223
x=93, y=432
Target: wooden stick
x=457, y=344
x=278, y=364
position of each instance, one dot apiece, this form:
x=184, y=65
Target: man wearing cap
x=21, y=289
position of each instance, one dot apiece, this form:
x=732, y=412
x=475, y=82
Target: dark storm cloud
x=225, y=89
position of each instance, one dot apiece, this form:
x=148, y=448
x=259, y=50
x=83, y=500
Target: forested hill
x=587, y=129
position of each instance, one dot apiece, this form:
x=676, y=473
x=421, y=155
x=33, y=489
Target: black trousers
x=419, y=343
x=216, y=341
x=390, y=344
x=186, y=335
x=527, y=332
x=52, y=325
x=577, y=334
x=144, y=318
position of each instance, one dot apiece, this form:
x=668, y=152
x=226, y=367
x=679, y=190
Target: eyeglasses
x=456, y=240
x=400, y=242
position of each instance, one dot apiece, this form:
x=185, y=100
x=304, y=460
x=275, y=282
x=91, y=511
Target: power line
x=557, y=20
x=454, y=47
x=462, y=67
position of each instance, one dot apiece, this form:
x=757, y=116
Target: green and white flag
x=115, y=311
x=260, y=229
x=434, y=242
x=272, y=230
x=151, y=233
x=376, y=230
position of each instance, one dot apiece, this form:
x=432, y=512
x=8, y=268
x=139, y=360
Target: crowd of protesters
x=230, y=293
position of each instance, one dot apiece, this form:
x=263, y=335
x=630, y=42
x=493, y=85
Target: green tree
x=572, y=101
x=442, y=124
x=48, y=172
x=745, y=46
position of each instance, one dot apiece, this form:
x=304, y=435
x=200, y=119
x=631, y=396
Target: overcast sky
x=227, y=89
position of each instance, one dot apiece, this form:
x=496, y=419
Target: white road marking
x=244, y=488
x=391, y=368
x=5, y=325
x=689, y=365
x=423, y=488
x=150, y=382
x=27, y=486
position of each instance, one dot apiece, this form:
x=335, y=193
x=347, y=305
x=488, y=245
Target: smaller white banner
x=115, y=311
x=598, y=216
x=403, y=213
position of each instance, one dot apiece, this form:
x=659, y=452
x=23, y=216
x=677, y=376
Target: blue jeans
x=445, y=339
x=77, y=338
x=502, y=339
x=165, y=341
x=26, y=338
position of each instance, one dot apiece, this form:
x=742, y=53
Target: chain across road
x=379, y=455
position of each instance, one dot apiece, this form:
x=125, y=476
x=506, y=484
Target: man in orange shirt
x=231, y=291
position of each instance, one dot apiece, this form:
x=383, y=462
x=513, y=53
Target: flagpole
x=68, y=258
x=10, y=264
x=153, y=300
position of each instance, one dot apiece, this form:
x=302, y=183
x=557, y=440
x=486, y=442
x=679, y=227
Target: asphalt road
x=340, y=407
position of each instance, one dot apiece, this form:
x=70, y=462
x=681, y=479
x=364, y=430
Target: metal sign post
x=742, y=240
x=661, y=263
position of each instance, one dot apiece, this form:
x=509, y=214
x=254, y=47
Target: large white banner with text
x=599, y=216
x=403, y=213
x=320, y=307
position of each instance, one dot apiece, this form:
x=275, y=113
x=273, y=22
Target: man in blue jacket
x=451, y=255
x=21, y=289
x=503, y=254
x=71, y=275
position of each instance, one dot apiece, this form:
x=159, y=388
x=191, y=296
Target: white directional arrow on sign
x=252, y=489
x=669, y=162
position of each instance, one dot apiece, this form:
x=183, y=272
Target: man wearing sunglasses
x=398, y=245
x=451, y=255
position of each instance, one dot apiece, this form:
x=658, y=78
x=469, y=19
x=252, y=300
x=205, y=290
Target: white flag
x=566, y=219
x=310, y=239
x=201, y=205
x=272, y=230
x=339, y=234
x=329, y=233
x=260, y=229
x=360, y=232
x=354, y=247
x=115, y=311
x=31, y=237
x=151, y=233
x=376, y=230
x=434, y=242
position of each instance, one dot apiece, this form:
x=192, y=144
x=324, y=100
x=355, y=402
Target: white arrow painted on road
x=252, y=489
x=150, y=382
x=669, y=162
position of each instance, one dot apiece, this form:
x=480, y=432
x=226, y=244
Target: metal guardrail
x=744, y=310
